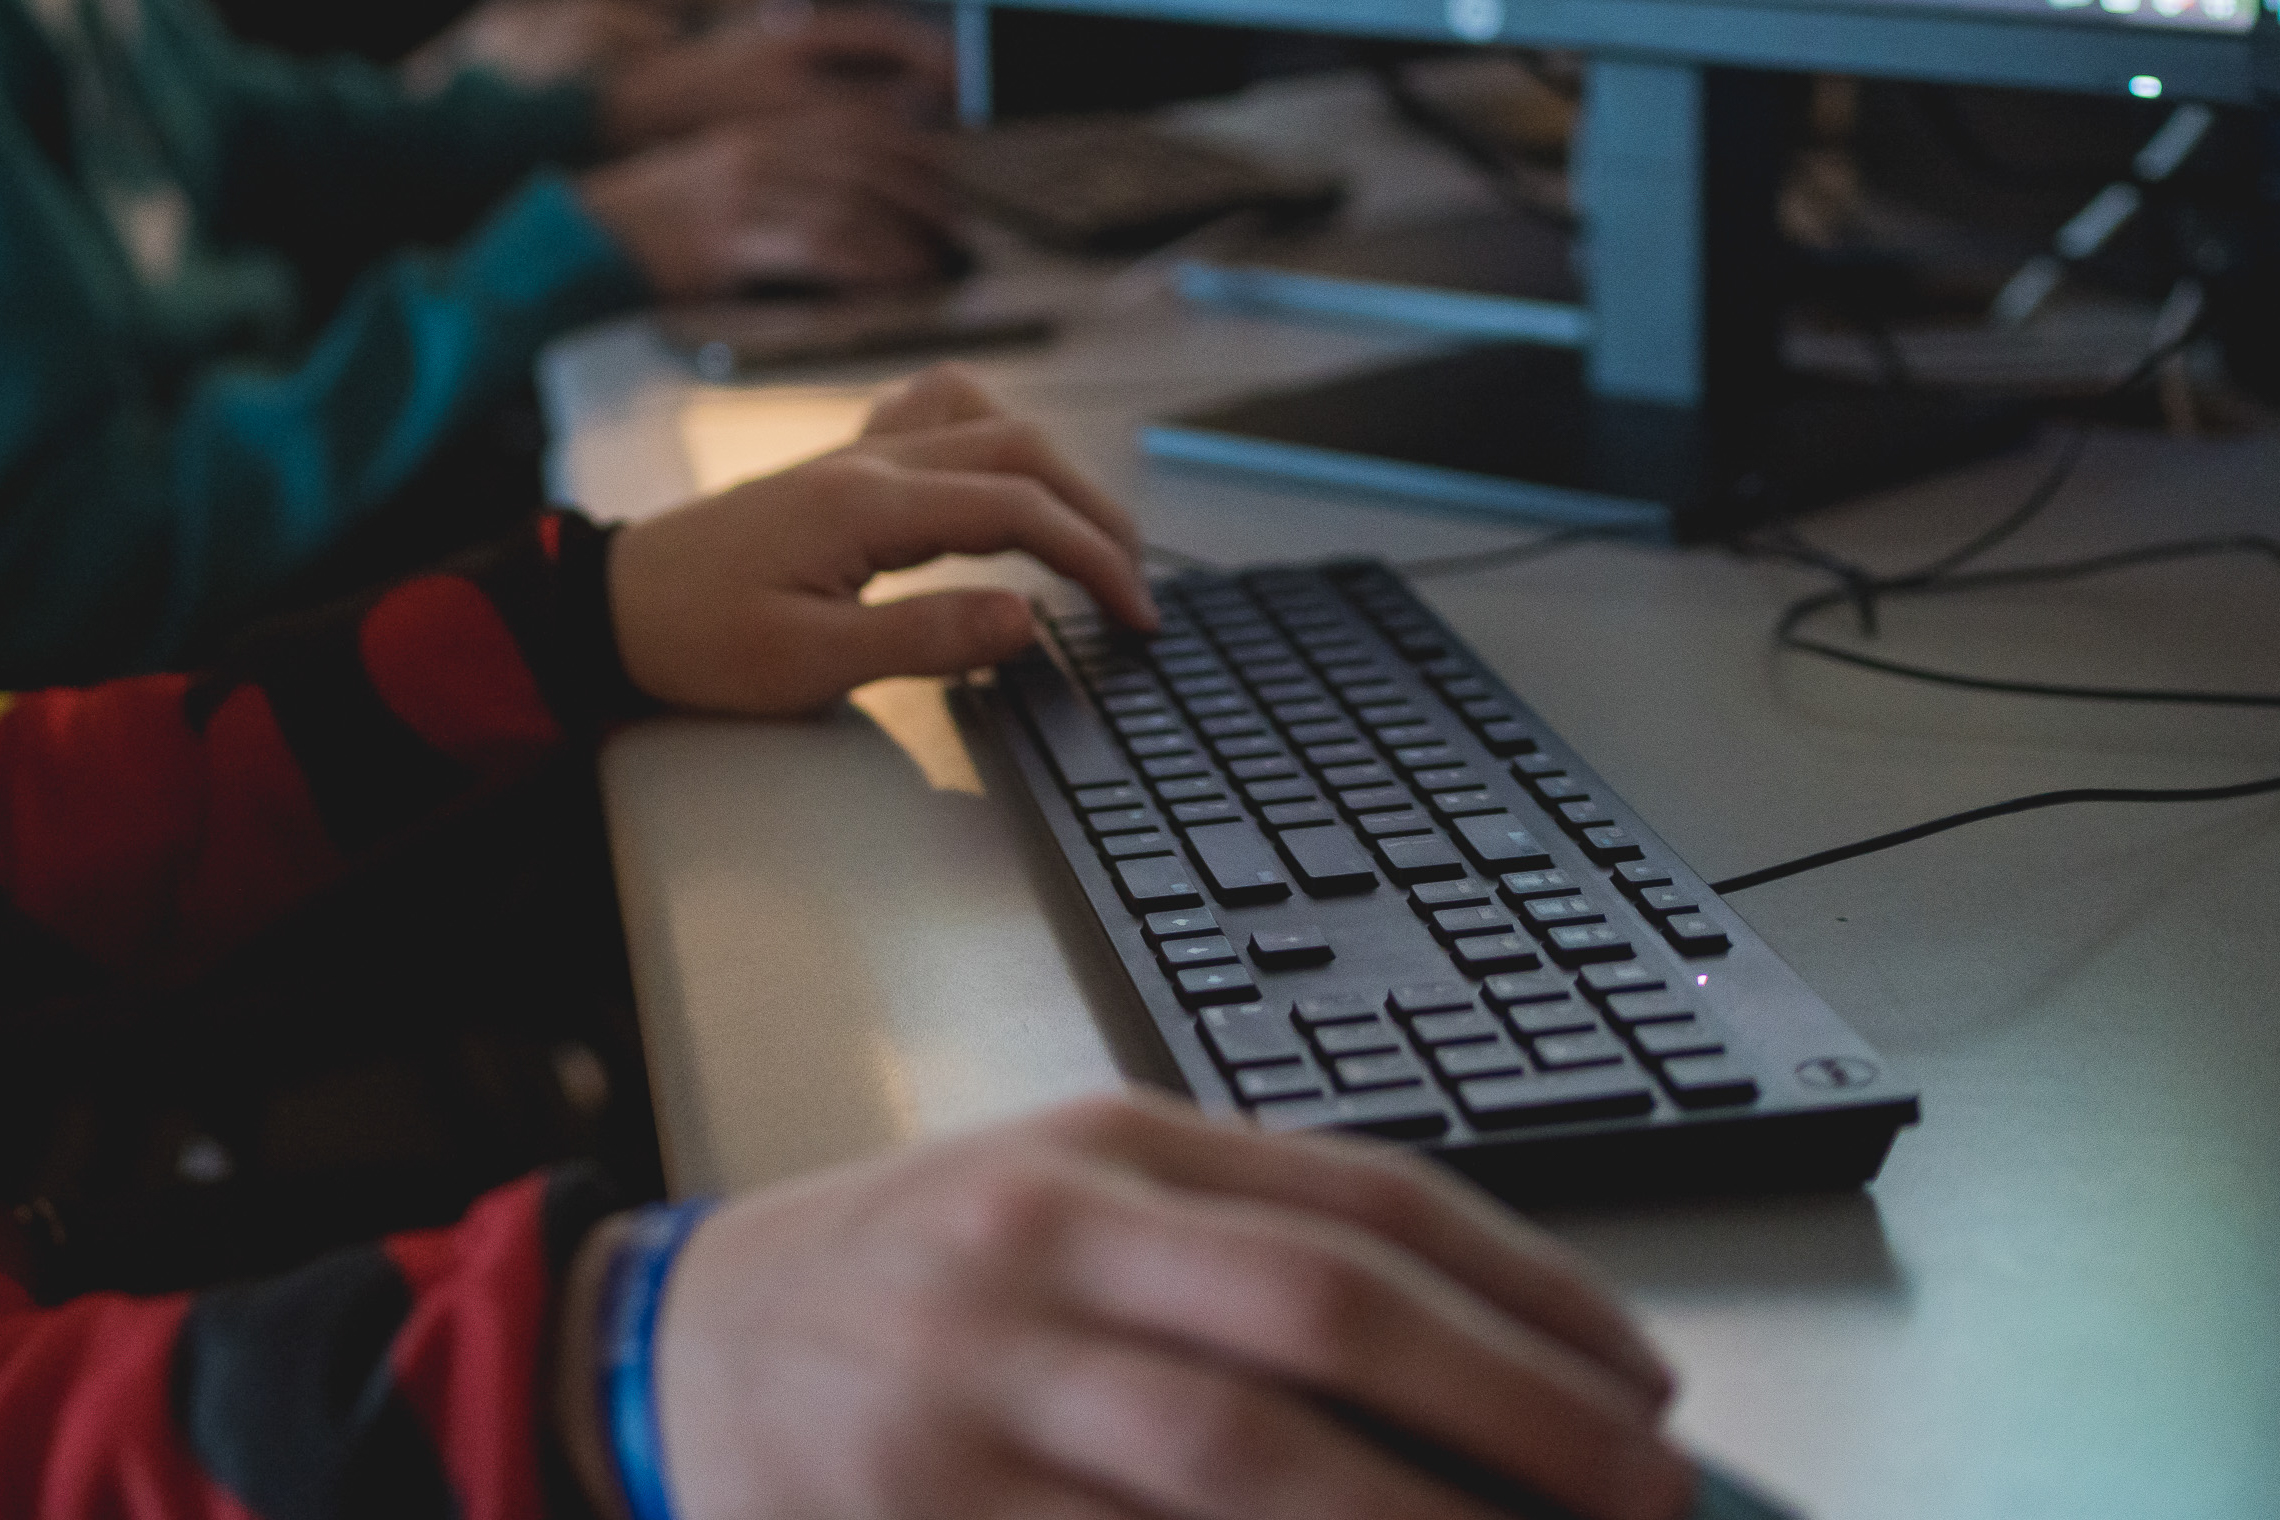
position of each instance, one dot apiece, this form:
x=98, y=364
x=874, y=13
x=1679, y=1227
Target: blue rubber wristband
x=633, y=1292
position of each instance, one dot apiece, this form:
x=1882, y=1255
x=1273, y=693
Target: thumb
x=940, y=634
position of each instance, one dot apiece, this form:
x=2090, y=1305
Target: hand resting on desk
x=748, y=603
x=1120, y=1310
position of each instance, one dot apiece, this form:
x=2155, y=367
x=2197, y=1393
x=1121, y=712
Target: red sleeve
x=152, y=824
x=400, y=1379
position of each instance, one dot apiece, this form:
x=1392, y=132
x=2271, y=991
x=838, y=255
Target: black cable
x=1789, y=638
x=1814, y=862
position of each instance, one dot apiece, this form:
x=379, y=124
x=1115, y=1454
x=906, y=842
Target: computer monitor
x=1676, y=415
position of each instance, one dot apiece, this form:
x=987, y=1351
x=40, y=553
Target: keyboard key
x=1158, y=927
x=1580, y=944
x=1465, y=804
x=1446, y=1028
x=1145, y=723
x=1418, y=857
x=1635, y=876
x=1527, y=987
x=1132, y=846
x=1333, y=1007
x=1603, y=981
x=1292, y=789
x=1630, y=1008
x=1298, y=815
x=1530, y=765
x=1679, y=1037
x=1497, y=843
x=1274, y=672
x=1275, y=767
x=1563, y=1015
x=1203, y=985
x=1696, y=934
x=1274, y=692
x=1246, y=746
x=1229, y=725
x=1709, y=1082
x=1365, y=694
x=1075, y=744
x=1327, y=862
x=1669, y=900
x=1558, y=788
x=1484, y=954
x=1465, y=688
x=1429, y=997
x=1290, y=1080
x=1132, y=702
x=1610, y=843
x=1190, y=789
x=1375, y=799
x=1345, y=777
x=1290, y=949
x=1238, y=863
x=1159, y=882
x=1487, y=710
x=1391, y=1113
x=1519, y=886
x=1172, y=767
x=1543, y=914
x=1190, y=665
x=1340, y=732
x=1293, y=713
x=1392, y=1068
x=1212, y=685
x=1351, y=752
x=1507, y=737
x=1186, y=815
x=1160, y=744
x=1357, y=1038
x=1124, y=684
x=1430, y=897
x=1575, y=817
x=1425, y=757
x=1096, y=798
x=1409, y=734
x=1120, y=821
x=1595, y=1047
x=1555, y=1097
x=1248, y=1034
x=1479, y=1058
x=1168, y=648
x=1453, y=923
x=1385, y=825
x=1447, y=778
x=1197, y=950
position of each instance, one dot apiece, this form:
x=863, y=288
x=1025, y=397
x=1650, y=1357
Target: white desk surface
x=2062, y=1297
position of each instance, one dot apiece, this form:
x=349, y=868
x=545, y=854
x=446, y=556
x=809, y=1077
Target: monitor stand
x=1677, y=417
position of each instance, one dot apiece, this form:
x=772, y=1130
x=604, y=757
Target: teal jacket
x=174, y=444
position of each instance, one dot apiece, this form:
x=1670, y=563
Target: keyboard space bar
x=1071, y=733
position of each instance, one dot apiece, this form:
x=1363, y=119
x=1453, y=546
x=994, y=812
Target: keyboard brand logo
x=1837, y=1072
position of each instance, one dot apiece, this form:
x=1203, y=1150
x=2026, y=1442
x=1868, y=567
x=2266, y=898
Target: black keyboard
x=1355, y=883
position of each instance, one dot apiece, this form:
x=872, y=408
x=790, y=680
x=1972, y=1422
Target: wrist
x=578, y=1422
x=628, y=1316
